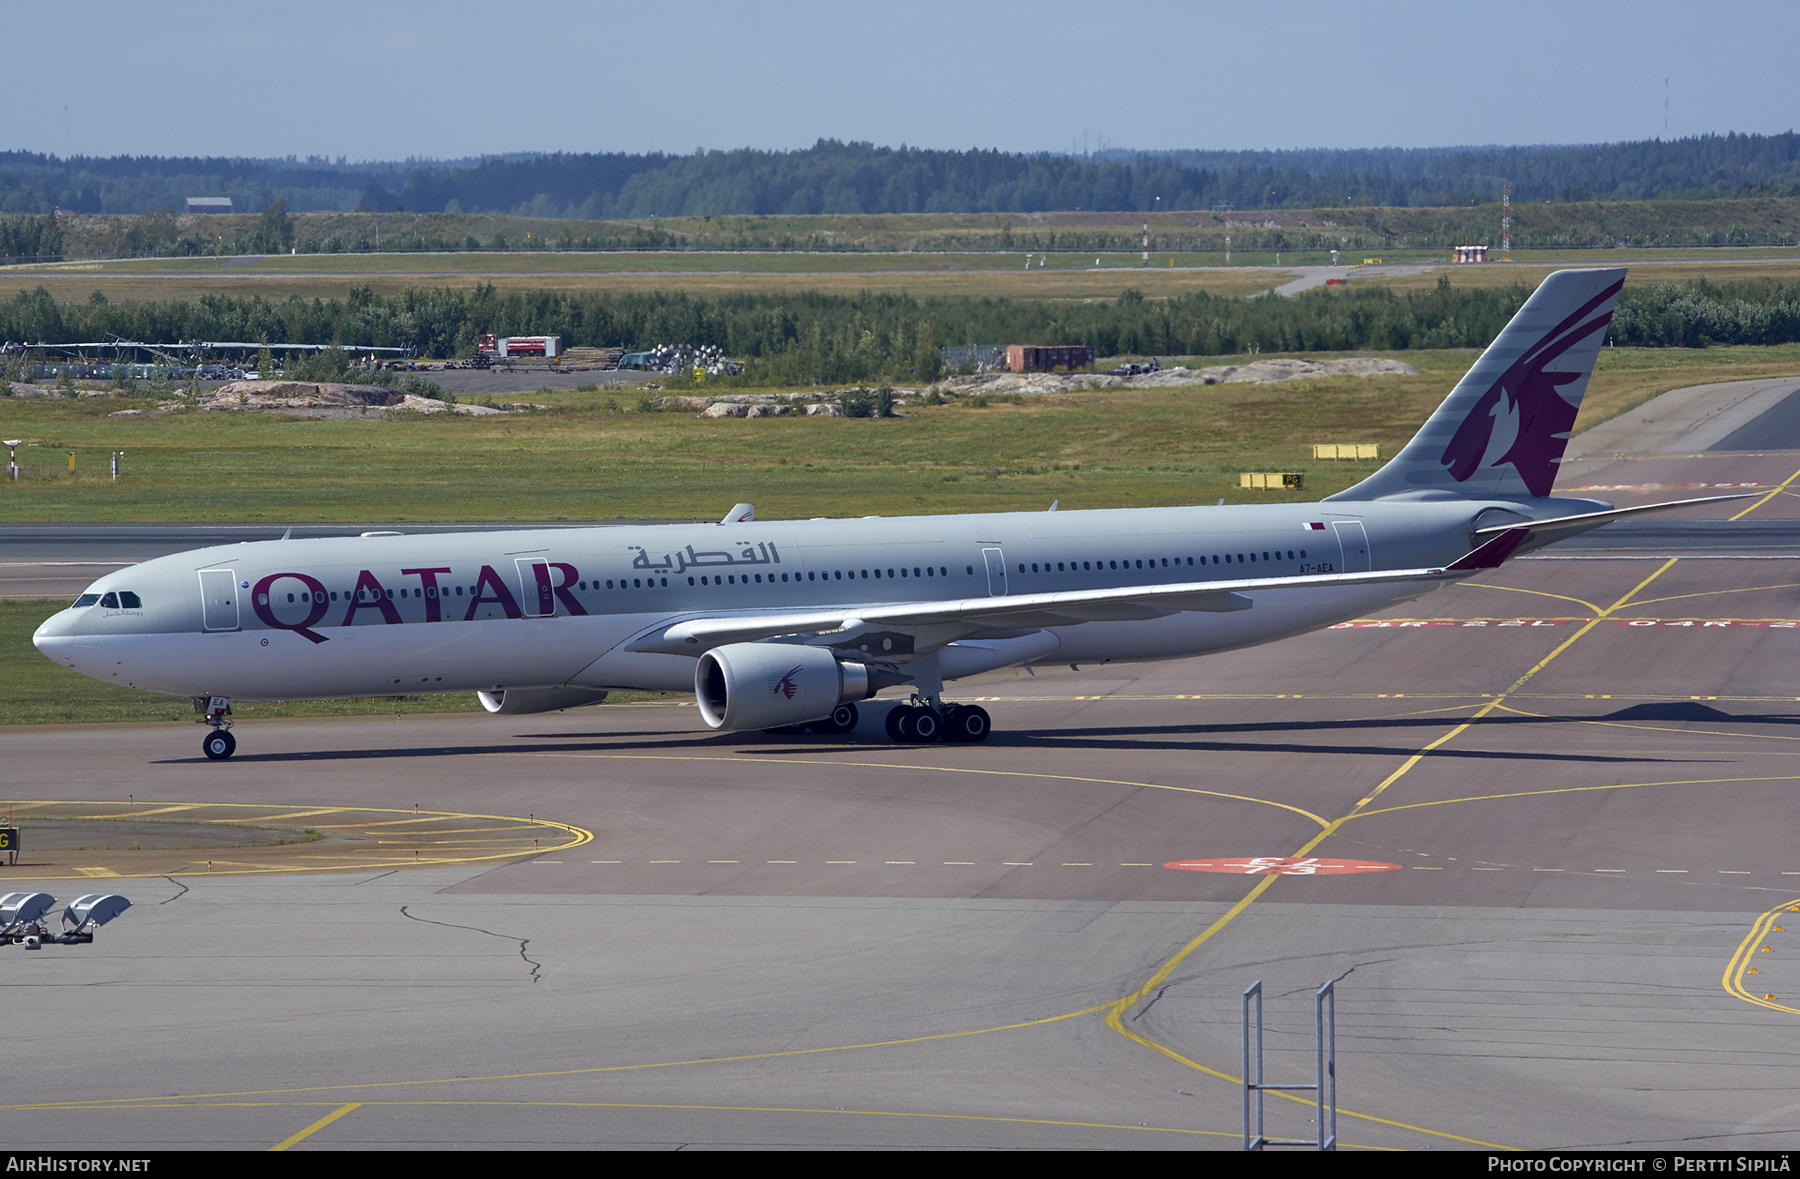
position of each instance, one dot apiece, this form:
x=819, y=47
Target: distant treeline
x=31, y=182
x=30, y=237
x=814, y=338
x=1675, y=169
x=833, y=177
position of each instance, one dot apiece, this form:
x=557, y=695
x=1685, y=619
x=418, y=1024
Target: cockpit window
x=129, y=600
x=110, y=602
x=85, y=600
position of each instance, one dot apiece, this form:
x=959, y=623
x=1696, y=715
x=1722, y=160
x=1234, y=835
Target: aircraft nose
x=56, y=637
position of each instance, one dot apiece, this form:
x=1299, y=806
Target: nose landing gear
x=219, y=743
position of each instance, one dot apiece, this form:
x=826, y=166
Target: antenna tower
x=1505, y=220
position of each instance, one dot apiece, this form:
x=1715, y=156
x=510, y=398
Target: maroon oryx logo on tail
x=1533, y=401
x=785, y=686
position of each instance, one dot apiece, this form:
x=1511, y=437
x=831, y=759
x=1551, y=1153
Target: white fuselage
x=391, y=614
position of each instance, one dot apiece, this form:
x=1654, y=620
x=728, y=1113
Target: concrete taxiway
x=1571, y=785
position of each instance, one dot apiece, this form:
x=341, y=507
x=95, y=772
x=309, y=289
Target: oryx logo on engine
x=785, y=686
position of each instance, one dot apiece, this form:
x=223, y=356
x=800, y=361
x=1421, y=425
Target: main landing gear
x=923, y=722
x=917, y=723
x=219, y=743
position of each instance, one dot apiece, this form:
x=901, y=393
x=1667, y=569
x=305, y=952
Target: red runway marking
x=1778, y=623
x=1412, y=623
x=1702, y=623
x=1281, y=866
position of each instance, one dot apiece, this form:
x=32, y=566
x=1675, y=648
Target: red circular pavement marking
x=1281, y=866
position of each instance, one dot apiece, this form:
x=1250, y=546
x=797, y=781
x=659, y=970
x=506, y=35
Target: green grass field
x=588, y=458
x=1530, y=273
x=581, y=460
x=703, y=275
x=772, y=262
x=949, y=275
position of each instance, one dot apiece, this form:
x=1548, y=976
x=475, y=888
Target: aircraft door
x=218, y=599
x=996, y=571
x=537, y=596
x=1353, y=542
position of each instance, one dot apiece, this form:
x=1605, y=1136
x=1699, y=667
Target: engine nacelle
x=514, y=701
x=768, y=685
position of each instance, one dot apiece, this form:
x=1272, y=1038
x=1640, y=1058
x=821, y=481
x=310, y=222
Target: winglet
x=1491, y=554
x=740, y=514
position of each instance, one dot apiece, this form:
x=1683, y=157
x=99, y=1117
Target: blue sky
x=450, y=78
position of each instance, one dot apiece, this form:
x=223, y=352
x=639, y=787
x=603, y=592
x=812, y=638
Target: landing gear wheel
x=842, y=719
x=219, y=745
x=968, y=723
x=914, y=726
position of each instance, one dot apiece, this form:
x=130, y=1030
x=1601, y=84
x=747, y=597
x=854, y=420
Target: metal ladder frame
x=1324, y=1087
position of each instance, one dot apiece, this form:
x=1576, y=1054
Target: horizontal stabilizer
x=1595, y=519
x=1492, y=554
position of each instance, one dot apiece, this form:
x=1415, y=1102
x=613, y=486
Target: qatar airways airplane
x=785, y=625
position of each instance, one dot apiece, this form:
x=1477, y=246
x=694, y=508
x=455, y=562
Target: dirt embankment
x=319, y=399
x=830, y=404
x=1260, y=372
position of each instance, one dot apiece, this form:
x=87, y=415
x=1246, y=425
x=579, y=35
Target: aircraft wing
x=961, y=617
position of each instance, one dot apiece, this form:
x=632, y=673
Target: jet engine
x=513, y=701
x=768, y=685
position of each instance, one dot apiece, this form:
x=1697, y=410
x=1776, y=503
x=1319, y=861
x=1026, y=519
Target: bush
x=861, y=403
x=425, y=387
x=327, y=364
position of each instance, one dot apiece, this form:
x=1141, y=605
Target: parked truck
x=513, y=347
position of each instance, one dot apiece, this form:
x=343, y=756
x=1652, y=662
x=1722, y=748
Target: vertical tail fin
x=1503, y=429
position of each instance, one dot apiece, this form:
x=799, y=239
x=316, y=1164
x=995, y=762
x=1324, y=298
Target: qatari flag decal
x=1313, y=526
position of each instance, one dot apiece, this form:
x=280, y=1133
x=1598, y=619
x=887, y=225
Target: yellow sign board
x=1272, y=480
